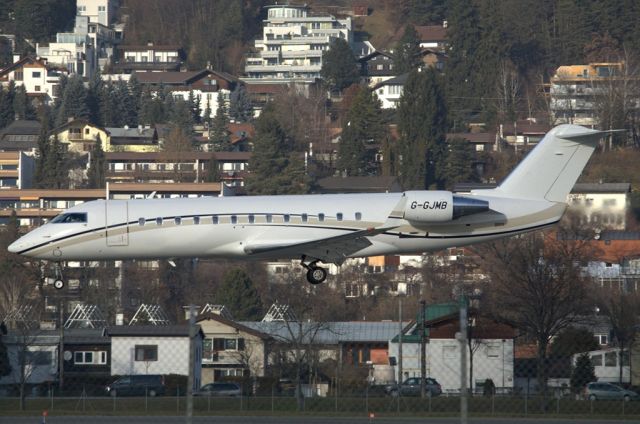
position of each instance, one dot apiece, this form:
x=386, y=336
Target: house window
x=82, y=9
x=610, y=359
x=90, y=358
x=601, y=339
x=38, y=358
x=228, y=344
x=596, y=360
x=146, y=352
x=36, y=88
x=102, y=8
x=36, y=74
x=18, y=76
x=493, y=352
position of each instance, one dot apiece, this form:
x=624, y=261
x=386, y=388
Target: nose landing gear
x=315, y=274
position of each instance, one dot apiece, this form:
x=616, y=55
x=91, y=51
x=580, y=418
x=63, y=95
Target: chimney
x=120, y=319
x=445, y=24
x=16, y=58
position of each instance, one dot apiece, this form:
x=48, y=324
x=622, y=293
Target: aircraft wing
x=330, y=250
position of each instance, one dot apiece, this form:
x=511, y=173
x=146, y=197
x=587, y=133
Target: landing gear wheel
x=316, y=275
x=58, y=284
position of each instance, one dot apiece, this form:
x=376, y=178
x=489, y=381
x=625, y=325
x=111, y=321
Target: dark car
x=137, y=385
x=219, y=389
x=411, y=387
x=601, y=391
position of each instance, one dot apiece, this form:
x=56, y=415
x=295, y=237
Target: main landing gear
x=58, y=282
x=315, y=274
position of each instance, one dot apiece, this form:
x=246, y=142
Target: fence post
x=209, y=401
x=51, y=395
x=493, y=403
x=526, y=400
x=366, y=399
x=178, y=399
x=272, y=396
x=146, y=398
x=336, y=394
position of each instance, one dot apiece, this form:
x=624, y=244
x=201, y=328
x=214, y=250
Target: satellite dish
x=67, y=355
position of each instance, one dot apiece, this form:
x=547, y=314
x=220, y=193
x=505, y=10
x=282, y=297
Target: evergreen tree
x=573, y=340
x=406, y=57
x=218, y=133
x=135, y=91
x=125, y=105
x=74, y=101
x=151, y=108
x=5, y=364
x=181, y=115
x=107, y=105
x=363, y=130
x=275, y=167
x=7, y=114
x=459, y=162
x=207, y=114
x=339, y=66
x=238, y=293
x=460, y=69
x=22, y=106
x=41, y=19
x=240, y=108
x=582, y=373
x=194, y=105
x=40, y=174
x=55, y=166
x=213, y=170
x=422, y=123
x=97, y=166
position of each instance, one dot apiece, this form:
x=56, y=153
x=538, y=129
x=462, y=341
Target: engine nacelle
x=440, y=206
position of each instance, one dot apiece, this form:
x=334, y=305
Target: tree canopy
x=339, y=66
x=238, y=293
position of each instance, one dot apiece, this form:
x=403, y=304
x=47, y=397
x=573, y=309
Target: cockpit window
x=70, y=218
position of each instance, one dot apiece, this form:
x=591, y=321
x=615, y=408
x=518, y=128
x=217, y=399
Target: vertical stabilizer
x=552, y=168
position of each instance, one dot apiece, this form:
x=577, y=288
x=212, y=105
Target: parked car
x=137, y=385
x=411, y=387
x=219, y=389
x=601, y=391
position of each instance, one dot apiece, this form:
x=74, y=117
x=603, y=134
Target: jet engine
x=440, y=206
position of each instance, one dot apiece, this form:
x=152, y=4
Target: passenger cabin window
x=320, y=217
x=304, y=217
x=159, y=221
x=339, y=216
x=234, y=219
x=196, y=220
x=214, y=219
x=269, y=218
x=286, y=218
x=252, y=219
x=70, y=218
x=358, y=216
x=178, y=220
x=141, y=222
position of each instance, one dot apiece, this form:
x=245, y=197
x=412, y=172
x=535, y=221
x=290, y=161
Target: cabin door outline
x=116, y=220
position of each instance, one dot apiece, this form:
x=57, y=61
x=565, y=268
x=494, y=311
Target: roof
x=22, y=127
x=150, y=330
x=20, y=135
x=526, y=127
x=431, y=32
x=168, y=156
x=238, y=326
x=135, y=133
x=85, y=336
x=399, y=80
x=359, y=184
x=266, y=88
x=330, y=333
x=179, y=78
x=601, y=188
x=145, y=47
x=483, y=137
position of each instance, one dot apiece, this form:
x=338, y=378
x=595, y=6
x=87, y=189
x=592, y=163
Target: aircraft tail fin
x=552, y=168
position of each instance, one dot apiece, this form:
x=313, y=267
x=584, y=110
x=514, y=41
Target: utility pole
x=192, y=362
x=423, y=350
x=399, y=344
x=463, y=359
x=61, y=348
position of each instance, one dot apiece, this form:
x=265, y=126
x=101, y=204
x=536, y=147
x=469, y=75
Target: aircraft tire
x=58, y=284
x=316, y=275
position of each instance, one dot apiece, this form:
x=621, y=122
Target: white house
x=151, y=349
x=292, y=44
x=390, y=91
x=33, y=357
x=39, y=78
x=492, y=345
x=99, y=11
x=601, y=205
x=609, y=365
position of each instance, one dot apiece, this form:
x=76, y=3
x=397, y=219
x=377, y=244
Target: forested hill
x=215, y=31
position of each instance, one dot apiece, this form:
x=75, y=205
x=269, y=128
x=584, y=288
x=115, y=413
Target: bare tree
x=537, y=287
x=508, y=92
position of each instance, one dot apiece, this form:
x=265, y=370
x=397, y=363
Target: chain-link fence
x=326, y=369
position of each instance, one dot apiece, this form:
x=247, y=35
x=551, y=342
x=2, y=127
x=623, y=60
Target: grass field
x=350, y=406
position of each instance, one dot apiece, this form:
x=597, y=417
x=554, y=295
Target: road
x=296, y=420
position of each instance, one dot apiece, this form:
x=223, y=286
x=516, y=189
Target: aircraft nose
x=19, y=245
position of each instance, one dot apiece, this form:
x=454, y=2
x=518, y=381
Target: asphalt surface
x=295, y=420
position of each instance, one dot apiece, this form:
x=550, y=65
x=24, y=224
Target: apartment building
x=98, y=11
x=293, y=41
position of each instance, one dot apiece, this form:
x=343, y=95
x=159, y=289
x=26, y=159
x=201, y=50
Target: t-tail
x=552, y=168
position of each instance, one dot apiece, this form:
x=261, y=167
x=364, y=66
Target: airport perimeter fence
x=500, y=377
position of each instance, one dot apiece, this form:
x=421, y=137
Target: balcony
x=283, y=68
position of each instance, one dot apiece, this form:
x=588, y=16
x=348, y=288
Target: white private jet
x=320, y=228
